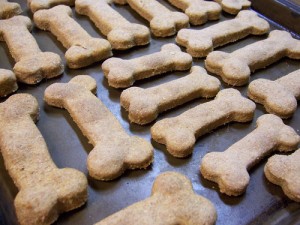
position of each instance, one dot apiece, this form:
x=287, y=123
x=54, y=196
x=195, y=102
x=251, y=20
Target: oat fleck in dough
x=229, y=168
x=9, y=9
x=285, y=171
x=172, y=201
x=45, y=191
x=114, y=150
x=234, y=6
x=8, y=82
x=36, y=5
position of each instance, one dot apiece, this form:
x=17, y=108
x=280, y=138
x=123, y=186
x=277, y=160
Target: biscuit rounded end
x=8, y=82
x=85, y=81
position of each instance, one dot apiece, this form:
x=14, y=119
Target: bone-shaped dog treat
x=9, y=9
x=172, y=201
x=114, y=151
x=8, y=82
x=235, y=68
x=201, y=42
x=45, y=191
x=120, y=32
x=83, y=50
x=229, y=168
x=198, y=11
x=123, y=73
x=179, y=133
x=278, y=97
x=144, y=105
x=234, y=6
x=285, y=172
x=163, y=22
x=32, y=65
x=36, y=5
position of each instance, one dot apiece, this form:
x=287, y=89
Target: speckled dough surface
x=163, y=22
x=285, y=171
x=199, y=43
x=235, y=68
x=144, y=105
x=44, y=190
x=36, y=5
x=123, y=73
x=114, y=150
x=8, y=82
x=278, y=97
x=198, y=11
x=229, y=168
x=172, y=201
x=119, y=31
x=32, y=65
x=179, y=133
x=9, y=9
x=234, y=6
x=83, y=50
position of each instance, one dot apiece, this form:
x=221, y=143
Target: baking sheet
x=263, y=202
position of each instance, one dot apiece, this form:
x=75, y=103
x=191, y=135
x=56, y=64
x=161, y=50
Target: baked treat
x=172, y=201
x=9, y=9
x=179, y=133
x=119, y=31
x=198, y=11
x=144, y=105
x=285, y=171
x=114, y=150
x=8, y=82
x=123, y=73
x=199, y=43
x=32, y=65
x=278, y=97
x=229, y=168
x=235, y=68
x=35, y=5
x=83, y=50
x=234, y=6
x=45, y=191
x=163, y=22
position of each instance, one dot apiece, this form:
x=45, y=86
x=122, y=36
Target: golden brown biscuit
x=119, y=31
x=32, y=65
x=285, y=171
x=123, y=73
x=114, y=150
x=172, y=201
x=83, y=50
x=9, y=9
x=179, y=133
x=144, y=105
x=163, y=22
x=36, y=5
x=199, y=43
x=235, y=68
x=45, y=191
x=8, y=82
x=234, y=6
x=278, y=97
x=229, y=168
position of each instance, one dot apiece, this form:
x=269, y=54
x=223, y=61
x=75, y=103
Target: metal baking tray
x=263, y=202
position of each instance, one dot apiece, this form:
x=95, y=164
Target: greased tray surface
x=263, y=202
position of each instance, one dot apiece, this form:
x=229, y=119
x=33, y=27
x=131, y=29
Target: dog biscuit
x=83, y=50
x=32, y=65
x=198, y=11
x=45, y=191
x=179, y=133
x=144, y=105
x=229, y=168
x=278, y=97
x=234, y=6
x=9, y=9
x=235, y=68
x=285, y=171
x=36, y=5
x=172, y=201
x=8, y=82
x=123, y=73
x=120, y=32
x=163, y=22
x=114, y=150
x=199, y=43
